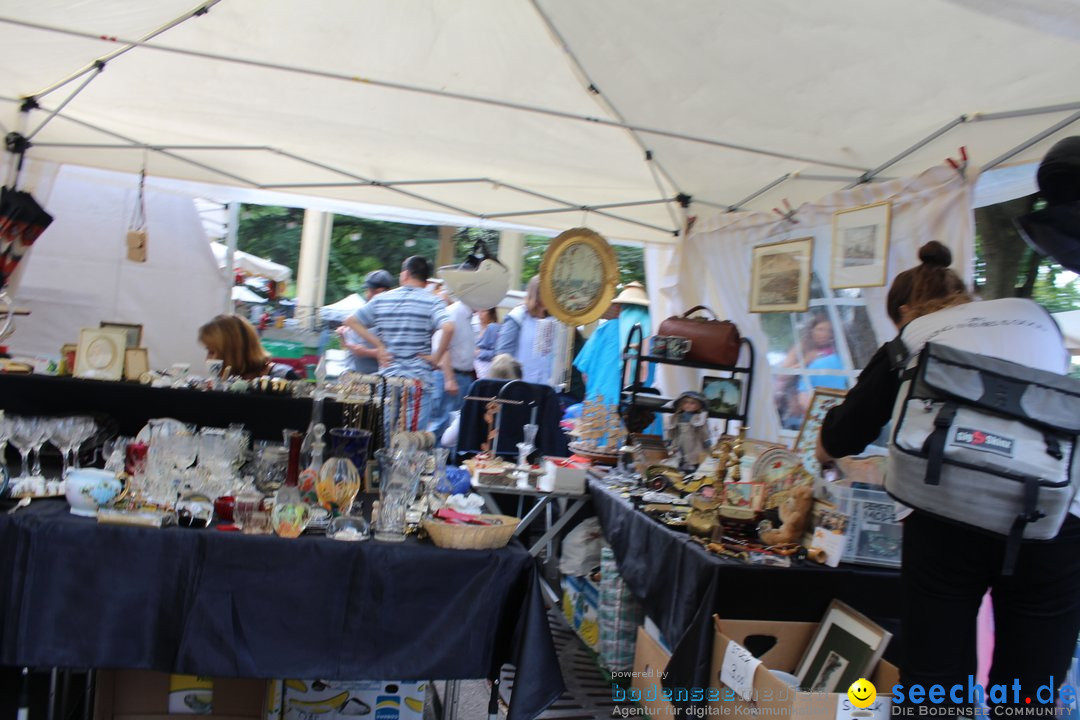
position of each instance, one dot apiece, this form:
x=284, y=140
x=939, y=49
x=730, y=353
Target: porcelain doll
x=687, y=430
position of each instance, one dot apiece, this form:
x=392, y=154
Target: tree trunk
x=1003, y=248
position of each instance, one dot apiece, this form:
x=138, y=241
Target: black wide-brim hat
x=1055, y=230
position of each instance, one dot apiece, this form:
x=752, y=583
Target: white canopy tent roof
x=251, y=264
x=548, y=113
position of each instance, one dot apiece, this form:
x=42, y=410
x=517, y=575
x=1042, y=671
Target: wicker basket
x=472, y=537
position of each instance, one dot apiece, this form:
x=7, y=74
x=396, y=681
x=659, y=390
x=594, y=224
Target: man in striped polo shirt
x=404, y=320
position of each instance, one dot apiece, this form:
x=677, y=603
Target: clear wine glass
x=44, y=432
x=5, y=433
x=85, y=427
x=24, y=433
x=61, y=436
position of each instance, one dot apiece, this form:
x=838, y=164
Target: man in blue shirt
x=399, y=324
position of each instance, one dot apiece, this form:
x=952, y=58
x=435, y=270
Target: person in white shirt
x=457, y=371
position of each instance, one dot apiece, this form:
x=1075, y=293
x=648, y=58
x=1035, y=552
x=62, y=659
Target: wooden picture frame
x=821, y=402
x=136, y=362
x=846, y=646
x=780, y=276
x=100, y=354
x=860, y=246
x=134, y=332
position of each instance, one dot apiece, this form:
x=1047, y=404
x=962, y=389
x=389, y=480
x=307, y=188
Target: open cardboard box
x=145, y=695
x=650, y=659
x=771, y=695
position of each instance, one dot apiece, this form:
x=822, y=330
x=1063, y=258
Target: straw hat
x=633, y=293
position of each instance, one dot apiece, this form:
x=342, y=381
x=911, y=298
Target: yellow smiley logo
x=861, y=693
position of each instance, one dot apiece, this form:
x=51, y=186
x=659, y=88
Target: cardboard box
x=581, y=601
x=561, y=475
x=378, y=699
x=650, y=659
x=770, y=695
x=142, y=694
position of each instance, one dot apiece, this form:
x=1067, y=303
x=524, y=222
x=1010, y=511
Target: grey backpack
x=986, y=443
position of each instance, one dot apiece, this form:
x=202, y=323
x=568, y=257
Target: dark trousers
x=947, y=570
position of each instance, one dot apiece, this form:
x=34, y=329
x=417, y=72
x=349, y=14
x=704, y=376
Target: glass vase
x=399, y=479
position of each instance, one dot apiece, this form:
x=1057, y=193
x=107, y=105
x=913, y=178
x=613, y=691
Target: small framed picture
x=136, y=362
x=100, y=355
x=372, y=477
x=823, y=400
x=846, y=646
x=724, y=395
x=68, y=352
x=860, y=246
x=780, y=276
x=134, y=332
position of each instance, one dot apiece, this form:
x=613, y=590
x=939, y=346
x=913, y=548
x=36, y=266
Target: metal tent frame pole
x=464, y=97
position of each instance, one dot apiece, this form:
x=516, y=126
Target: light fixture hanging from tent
x=481, y=281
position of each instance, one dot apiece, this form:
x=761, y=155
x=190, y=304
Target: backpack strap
x=1030, y=514
x=934, y=447
x=898, y=355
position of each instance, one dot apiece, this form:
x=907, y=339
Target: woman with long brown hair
x=233, y=340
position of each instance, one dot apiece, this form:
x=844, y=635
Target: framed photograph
x=100, y=355
x=823, y=400
x=846, y=646
x=372, y=477
x=134, y=332
x=136, y=362
x=860, y=246
x=724, y=395
x=780, y=276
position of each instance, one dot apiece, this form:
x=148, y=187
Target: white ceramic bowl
x=90, y=488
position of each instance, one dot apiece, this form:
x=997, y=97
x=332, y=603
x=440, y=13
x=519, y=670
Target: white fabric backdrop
x=712, y=266
x=77, y=274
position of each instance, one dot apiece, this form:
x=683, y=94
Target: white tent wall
x=532, y=112
x=77, y=273
x=713, y=266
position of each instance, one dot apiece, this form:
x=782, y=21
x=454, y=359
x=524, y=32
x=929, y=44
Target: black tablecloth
x=131, y=404
x=78, y=594
x=681, y=586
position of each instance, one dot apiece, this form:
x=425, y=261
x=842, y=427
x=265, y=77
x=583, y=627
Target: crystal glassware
x=24, y=433
x=400, y=475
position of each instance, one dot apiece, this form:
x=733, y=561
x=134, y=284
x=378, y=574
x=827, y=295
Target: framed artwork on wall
x=780, y=276
x=860, y=246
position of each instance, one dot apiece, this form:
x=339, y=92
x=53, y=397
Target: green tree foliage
x=1006, y=267
x=357, y=246
x=631, y=259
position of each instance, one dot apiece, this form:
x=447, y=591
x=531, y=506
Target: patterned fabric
x=620, y=616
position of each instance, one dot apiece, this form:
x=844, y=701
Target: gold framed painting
x=780, y=276
x=860, y=246
x=577, y=276
x=100, y=355
x=133, y=332
x=823, y=400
